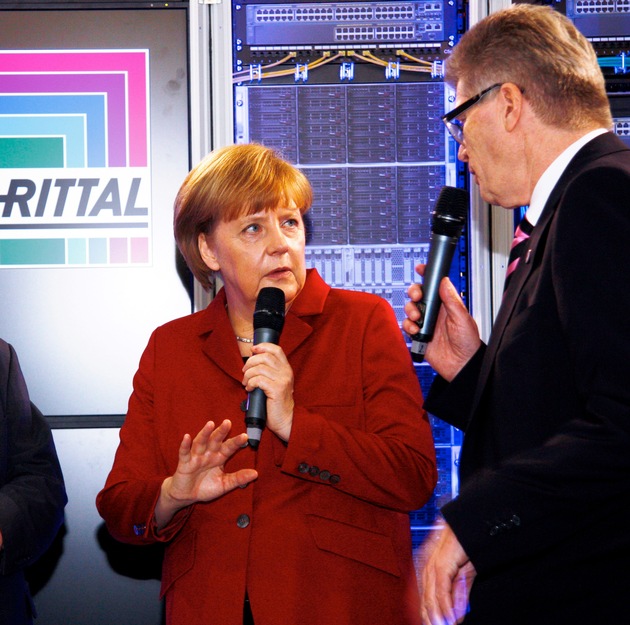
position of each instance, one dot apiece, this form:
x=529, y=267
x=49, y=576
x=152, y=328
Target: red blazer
x=322, y=537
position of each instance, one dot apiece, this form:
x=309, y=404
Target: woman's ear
x=207, y=254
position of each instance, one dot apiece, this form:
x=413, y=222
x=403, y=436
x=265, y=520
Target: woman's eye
x=292, y=222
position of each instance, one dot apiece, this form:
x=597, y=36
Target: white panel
x=84, y=588
x=79, y=332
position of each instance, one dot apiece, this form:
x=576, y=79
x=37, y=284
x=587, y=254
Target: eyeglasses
x=454, y=126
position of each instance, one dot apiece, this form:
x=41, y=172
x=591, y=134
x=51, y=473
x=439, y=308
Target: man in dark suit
x=540, y=531
x=32, y=493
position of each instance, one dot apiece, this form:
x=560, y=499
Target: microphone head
x=449, y=215
x=269, y=311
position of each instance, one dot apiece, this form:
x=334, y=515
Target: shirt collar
x=552, y=174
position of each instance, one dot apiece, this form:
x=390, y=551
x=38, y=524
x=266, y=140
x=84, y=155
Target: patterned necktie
x=523, y=230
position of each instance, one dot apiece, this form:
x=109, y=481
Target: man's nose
x=462, y=155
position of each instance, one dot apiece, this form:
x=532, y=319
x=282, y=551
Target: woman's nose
x=276, y=240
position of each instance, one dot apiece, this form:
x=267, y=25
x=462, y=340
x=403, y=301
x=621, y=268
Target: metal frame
x=491, y=229
x=211, y=112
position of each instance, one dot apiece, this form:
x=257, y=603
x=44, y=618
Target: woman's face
x=256, y=251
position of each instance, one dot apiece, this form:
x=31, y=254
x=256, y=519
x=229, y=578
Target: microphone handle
x=256, y=416
x=266, y=335
x=438, y=266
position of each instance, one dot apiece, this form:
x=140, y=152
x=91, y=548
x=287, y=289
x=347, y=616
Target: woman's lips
x=278, y=272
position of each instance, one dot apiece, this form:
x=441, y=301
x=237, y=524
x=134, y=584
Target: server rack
x=352, y=93
x=606, y=24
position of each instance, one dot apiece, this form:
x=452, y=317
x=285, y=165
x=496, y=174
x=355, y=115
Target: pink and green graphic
x=78, y=116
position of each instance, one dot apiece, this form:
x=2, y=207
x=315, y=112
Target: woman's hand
x=268, y=369
x=200, y=474
x=455, y=338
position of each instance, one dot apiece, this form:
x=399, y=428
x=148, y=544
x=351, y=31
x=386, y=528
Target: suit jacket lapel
x=534, y=249
x=599, y=146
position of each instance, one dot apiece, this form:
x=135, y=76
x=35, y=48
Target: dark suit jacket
x=32, y=493
x=322, y=537
x=543, y=510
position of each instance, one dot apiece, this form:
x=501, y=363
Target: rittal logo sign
x=75, y=184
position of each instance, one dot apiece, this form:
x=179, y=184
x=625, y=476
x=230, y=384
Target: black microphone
x=268, y=322
x=447, y=223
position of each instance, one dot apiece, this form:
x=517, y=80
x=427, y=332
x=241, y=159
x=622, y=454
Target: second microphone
x=448, y=221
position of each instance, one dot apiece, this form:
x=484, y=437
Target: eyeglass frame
x=457, y=130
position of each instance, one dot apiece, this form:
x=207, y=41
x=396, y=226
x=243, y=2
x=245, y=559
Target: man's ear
x=207, y=253
x=512, y=97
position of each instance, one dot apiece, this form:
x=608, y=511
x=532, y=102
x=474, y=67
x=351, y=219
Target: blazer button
x=324, y=475
x=303, y=467
x=242, y=521
x=335, y=479
x=314, y=471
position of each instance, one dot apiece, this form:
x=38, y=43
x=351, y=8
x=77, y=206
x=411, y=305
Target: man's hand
x=455, y=338
x=445, y=579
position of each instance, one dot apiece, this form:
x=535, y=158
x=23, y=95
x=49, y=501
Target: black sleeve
x=451, y=401
x=32, y=492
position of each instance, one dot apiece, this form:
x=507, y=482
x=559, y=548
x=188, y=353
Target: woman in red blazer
x=310, y=528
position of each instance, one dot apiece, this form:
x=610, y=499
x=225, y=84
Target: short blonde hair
x=540, y=50
x=230, y=182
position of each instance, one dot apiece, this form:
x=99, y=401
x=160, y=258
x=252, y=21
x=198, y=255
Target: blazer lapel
x=217, y=338
x=309, y=303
